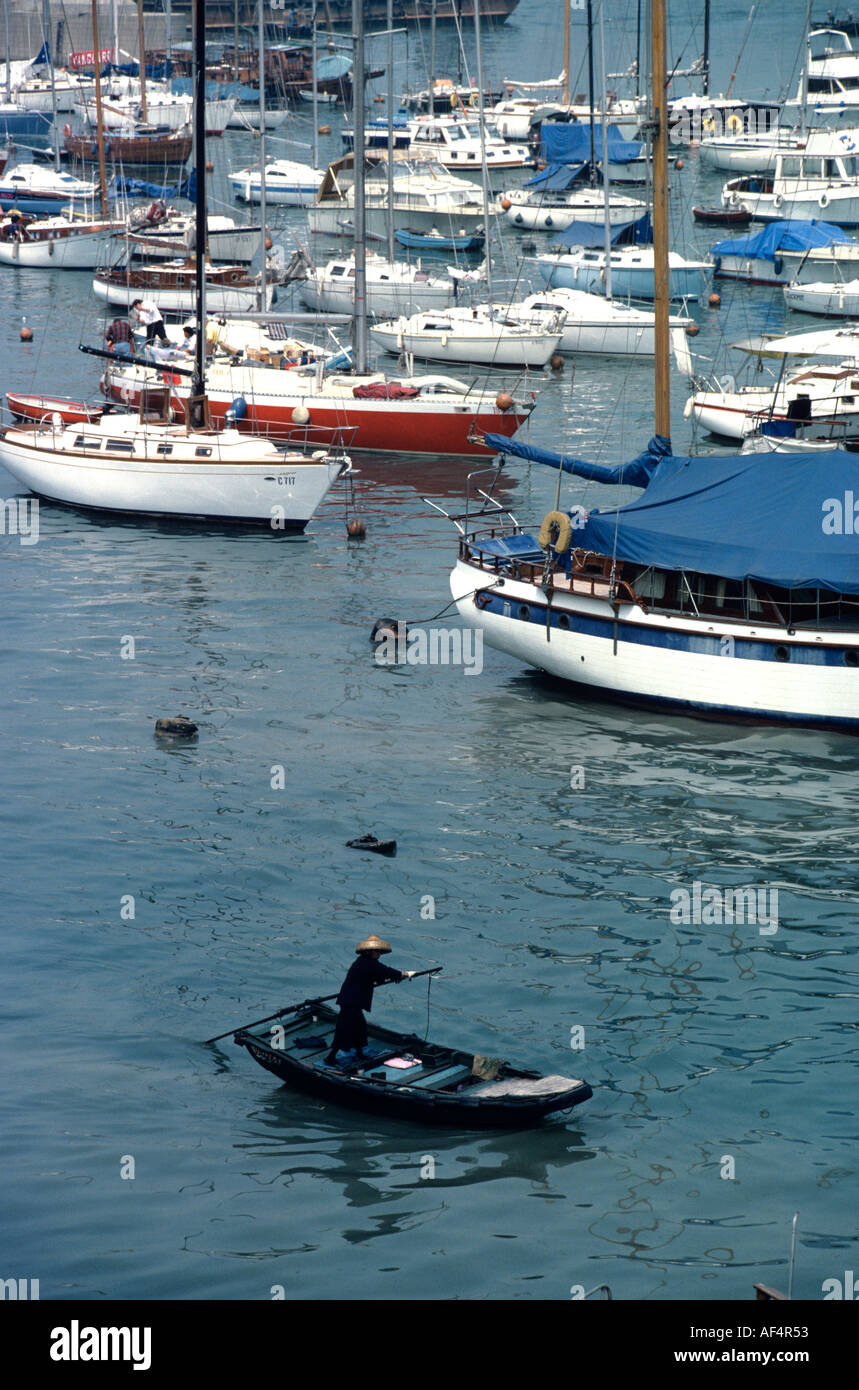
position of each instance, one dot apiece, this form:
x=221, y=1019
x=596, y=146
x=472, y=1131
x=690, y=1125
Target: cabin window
x=203, y=453
x=120, y=446
x=337, y=270
x=83, y=441
x=165, y=448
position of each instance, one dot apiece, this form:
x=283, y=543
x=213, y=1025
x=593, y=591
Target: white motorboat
x=286, y=181
x=246, y=116
x=227, y=241
x=536, y=210
x=457, y=145
x=829, y=88
x=781, y=250
x=632, y=274
x=470, y=336
x=391, y=287
x=591, y=322
x=36, y=188
x=426, y=198
x=839, y=300
x=804, y=185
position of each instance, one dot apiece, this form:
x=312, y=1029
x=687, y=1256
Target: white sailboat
x=145, y=464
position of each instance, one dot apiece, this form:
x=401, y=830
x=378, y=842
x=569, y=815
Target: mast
x=566, y=4
x=314, y=63
x=431, y=104
x=46, y=27
x=235, y=40
x=98, y=114
x=141, y=59
x=198, y=381
x=803, y=86
x=391, y=130
x=8, y=53
x=262, y=202
x=606, y=183
x=659, y=128
x=591, y=89
x=360, y=221
x=705, y=85
x=484, y=171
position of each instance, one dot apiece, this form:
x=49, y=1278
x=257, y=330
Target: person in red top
x=356, y=995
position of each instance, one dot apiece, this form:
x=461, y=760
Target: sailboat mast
x=606, y=182
x=391, y=130
x=566, y=4
x=659, y=128
x=314, y=62
x=705, y=84
x=360, y=221
x=591, y=88
x=431, y=103
x=8, y=53
x=484, y=171
x=262, y=201
x=46, y=27
x=198, y=382
x=141, y=60
x=99, y=118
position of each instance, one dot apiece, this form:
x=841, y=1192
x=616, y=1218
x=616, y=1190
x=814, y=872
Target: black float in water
x=387, y=627
x=178, y=727
x=372, y=845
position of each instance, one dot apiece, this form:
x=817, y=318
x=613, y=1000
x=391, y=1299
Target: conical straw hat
x=373, y=943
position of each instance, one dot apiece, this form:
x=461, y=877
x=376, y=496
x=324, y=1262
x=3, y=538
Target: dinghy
x=404, y=1077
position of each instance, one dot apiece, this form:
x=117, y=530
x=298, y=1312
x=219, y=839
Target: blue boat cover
x=138, y=188
x=783, y=519
x=562, y=143
x=556, y=177
x=638, y=233
x=787, y=234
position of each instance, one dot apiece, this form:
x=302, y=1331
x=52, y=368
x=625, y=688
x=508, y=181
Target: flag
x=41, y=58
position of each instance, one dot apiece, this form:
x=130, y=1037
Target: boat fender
x=518, y=219
x=237, y=411
x=67, y=130
x=717, y=264
x=444, y=340
x=778, y=265
x=556, y=533
x=778, y=200
x=50, y=248
x=823, y=200
x=483, y=598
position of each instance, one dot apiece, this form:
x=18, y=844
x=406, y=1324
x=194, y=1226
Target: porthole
x=851, y=658
x=782, y=654
x=564, y=622
x=523, y=612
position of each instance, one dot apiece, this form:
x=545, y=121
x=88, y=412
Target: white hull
x=247, y=118
x=333, y=297
x=618, y=660
x=182, y=301
x=543, y=215
x=221, y=491
x=489, y=349
x=290, y=193
x=83, y=251
x=232, y=247
x=173, y=115
x=839, y=301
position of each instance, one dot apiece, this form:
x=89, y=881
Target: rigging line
x=429, y=986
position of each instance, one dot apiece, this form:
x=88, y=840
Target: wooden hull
x=140, y=152
x=27, y=407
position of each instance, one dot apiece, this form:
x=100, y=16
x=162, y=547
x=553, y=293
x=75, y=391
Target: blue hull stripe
x=699, y=644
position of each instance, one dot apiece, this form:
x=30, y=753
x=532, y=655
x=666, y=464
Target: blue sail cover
x=782, y=519
x=787, y=234
x=556, y=178
x=638, y=233
x=561, y=143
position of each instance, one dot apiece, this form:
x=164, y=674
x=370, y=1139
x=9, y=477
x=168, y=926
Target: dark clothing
x=363, y=975
x=356, y=994
x=156, y=330
x=119, y=331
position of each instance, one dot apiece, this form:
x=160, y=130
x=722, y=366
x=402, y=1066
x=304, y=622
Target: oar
x=293, y=1008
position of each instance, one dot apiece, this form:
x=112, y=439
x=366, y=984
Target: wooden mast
x=98, y=113
x=659, y=128
x=197, y=411
x=566, y=52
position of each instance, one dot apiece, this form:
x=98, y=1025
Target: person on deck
x=149, y=315
x=119, y=338
x=189, y=345
x=356, y=995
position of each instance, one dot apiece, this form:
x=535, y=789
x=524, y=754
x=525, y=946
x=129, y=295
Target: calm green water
x=702, y=1043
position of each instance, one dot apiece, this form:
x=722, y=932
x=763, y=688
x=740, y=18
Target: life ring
x=734, y=124
x=823, y=201
x=709, y=124
x=483, y=598
x=778, y=200
x=556, y=533
x=474, y=100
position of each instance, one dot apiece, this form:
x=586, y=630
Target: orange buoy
x=714, y=301
x=355, y=529
x=678, y=164
x=692, y=330
x=268, y=243
x=506, y=203
x=210, y=164
x=325, y=130
x=504, y=400
x=378, y=99
x=26, y=334
x=557, y=362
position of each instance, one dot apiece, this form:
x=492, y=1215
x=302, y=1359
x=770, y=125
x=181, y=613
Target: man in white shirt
x=149, y=315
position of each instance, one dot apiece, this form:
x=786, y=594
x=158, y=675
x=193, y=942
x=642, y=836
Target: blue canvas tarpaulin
x=786, y=234
x=555, y=178
x=139, y=188
x=638, y=233
x=561, y=143
x=773, y=518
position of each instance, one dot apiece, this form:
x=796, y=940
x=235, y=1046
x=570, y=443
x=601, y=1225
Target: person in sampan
x=356, y=995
